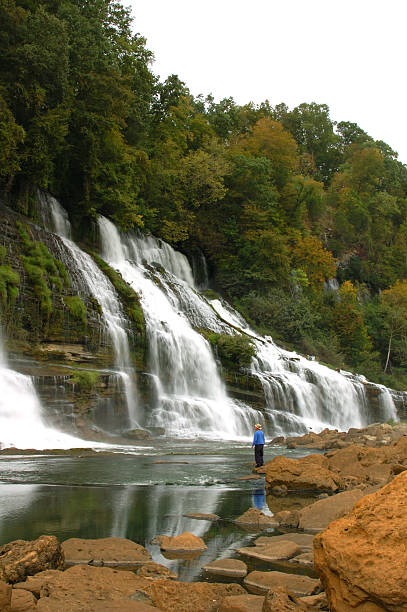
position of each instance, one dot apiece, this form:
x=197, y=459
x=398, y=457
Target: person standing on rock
x=258, y=443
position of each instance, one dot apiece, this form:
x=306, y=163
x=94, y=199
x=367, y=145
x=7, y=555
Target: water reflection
x=259, y=498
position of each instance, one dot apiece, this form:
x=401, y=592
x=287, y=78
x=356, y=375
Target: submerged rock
x=21, y=558
x=362, y=557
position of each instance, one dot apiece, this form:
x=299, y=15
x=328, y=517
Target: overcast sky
x=349, y=54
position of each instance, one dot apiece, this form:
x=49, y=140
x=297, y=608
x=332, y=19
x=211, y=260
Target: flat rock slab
x=185, y=542
x=304, y=559
x=257, y=519
x=320, y=514
x=303, y=540
x=202, y=517
x=155, y=571
x=111, y=552
x=299, y=585
x=274, y=551
x=227, y=567
x=242, y=603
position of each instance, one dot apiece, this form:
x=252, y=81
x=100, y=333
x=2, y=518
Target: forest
x=302, y=220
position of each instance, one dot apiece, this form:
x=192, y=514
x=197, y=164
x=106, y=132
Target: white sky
x=349, y=54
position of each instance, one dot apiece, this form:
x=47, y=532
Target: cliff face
x=55, y=330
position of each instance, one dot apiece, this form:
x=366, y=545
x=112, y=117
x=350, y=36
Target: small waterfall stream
x=56, y=219
x=21, y=423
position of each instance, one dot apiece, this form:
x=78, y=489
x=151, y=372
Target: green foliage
x=233, y=351
x=9, y=282
x=85, y=380
x=76, y=307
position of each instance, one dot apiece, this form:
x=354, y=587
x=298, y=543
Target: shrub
x=76, y=307
x=85, y=380
x=233, y=350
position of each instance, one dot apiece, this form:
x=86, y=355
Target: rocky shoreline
x=341, y=519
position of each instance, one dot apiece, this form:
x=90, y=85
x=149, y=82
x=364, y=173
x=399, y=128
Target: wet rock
x=203, y=517
x=242, y=603
x=303, y=540
x=22, y=558
x=261, y=582
x=155, y=571
x=308, y=473
x=110, y=552
x=279, y=491
x=273, y=551
x=257, y=519
x=5, y=596
x=303, y=559
x=185, y=542
x=278, y=441
x=137, y=434
x=157, y=431
x=287, y=518
x=278, y=599
x=22, y=601
x=227, y=567
x=318, y=515
x=362, y=557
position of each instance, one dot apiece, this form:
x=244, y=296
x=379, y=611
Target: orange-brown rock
x=362, y=558
x=261, y=582
x=22, y=601
x=318, y=515
x=104, y=551
x=20, y=558
x=272, y=551
x=227, y=567
x=278, y=599
x=185, y=542
x=5, y=596
x=303, y=540
x=255, y=518
x=307, y=473
x=242, y=603
x=155, y=571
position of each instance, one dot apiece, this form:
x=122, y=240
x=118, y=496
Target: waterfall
x=191, y=397
x=301, y=394
x=21, y=424
x=56, y=219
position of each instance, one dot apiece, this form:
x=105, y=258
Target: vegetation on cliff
x=279, y=200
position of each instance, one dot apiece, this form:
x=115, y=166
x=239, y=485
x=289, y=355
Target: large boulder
x=22, y=558
x=306, y=474
x=22, y=601
x=362, y=557
x=104, y=551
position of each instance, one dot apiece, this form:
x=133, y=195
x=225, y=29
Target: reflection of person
x=258, y=443
x=259, y=498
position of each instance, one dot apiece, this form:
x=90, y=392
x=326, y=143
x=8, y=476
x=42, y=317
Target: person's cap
x=258, y=426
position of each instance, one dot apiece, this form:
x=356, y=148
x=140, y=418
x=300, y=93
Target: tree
x=394, y=304
x=315, y=260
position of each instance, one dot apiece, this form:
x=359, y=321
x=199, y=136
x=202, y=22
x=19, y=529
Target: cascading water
x=301, y=394
x=21, y=424
x=191, y=397
x=56, y=219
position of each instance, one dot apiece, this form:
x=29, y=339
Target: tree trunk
x=388, y=351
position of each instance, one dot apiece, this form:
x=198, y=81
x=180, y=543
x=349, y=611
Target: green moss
x=9, y=281
x=76, y=307
x=85, y=380
x=3, y=252
x=43, y=271
x=128, y=296
x=233, y=351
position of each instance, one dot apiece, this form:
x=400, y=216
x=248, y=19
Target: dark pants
x=258, y=454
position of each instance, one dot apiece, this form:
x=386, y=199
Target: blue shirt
x=258, y=437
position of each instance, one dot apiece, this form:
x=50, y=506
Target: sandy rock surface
x=362, y=558
x=242, y=603
x=104, y=551
x=155, y=571
x=227, y=567
x=278, y=599
x=5, y=596
x=22, y=601
x=21, y=558
x=297, y=584
x=308, y=473
x=303, y=540
x=318, y=515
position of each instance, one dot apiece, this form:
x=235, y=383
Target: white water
x=191, y=397
x=103, y=291
x=21, y=423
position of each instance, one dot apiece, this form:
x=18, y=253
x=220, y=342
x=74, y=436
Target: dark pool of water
x=135, y=496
